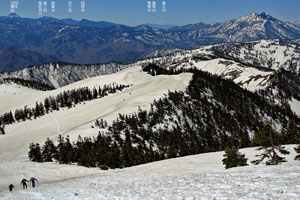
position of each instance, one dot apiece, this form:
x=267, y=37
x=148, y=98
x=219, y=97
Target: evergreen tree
x=49, y=151
x=297, y=149
x=269, y=142
x=2, y=129
x=41, y=109
x=31, y=153
x=60, y=149
x=95, y=93
x=127, y=150
x=47, y=104
x=233, y=158
x=37, y=112
x=291, y=134
x=64, y=152
x=35, y=153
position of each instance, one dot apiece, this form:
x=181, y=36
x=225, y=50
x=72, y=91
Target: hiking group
x=24, y=183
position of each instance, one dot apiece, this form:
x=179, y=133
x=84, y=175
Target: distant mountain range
x=86, y=41
x=160, y=26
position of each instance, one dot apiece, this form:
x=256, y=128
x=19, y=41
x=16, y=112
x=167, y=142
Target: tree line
x=30, y=84
x=66, y=99
x=100, y=151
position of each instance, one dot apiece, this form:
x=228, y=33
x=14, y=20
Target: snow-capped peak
x=257, y=17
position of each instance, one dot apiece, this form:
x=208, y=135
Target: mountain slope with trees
x=211, y=114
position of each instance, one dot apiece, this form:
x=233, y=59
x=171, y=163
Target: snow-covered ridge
x=243, y=63
x=61, y=74
x=271, y=54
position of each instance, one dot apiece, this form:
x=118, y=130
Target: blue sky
x=178, y=12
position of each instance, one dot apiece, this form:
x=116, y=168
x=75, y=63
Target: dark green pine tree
x=95, y=93
x=47, y=104
x=35, y=153
x=37, y=110
x=2, y=129
x=64, y=150
x=41, y=108
x=31, y=153
x=269, y=141
x=49, y=151
x=171, y=153
x=127, y=150
x=297, y=149
x=291, y=134
x=233, y=158
x=60, y=149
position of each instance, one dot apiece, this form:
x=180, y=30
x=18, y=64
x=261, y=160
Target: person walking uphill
x=23, y=182
x=32, y=180
x=11, y=187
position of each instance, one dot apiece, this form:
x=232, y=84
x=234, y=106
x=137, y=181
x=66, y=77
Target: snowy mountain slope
x=254, y=65
x=268, y=54
x=252, y=27
x=247, y=77
x=77, y=121
x=271, y=54
x=128, y=76
x=271, y=65
x=14, y=96
x=203, y=59
x=193, y=177
x=61, y=74
x=14, y=145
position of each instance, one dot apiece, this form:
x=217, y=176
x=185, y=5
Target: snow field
x=193, y=177
x=14, y=145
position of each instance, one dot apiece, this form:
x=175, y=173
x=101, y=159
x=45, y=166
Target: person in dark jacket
x=33, y=180
x=11, y=187
x=23, y=182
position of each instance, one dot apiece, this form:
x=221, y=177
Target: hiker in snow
x=11, y=187
x=23, y=182
x=32, y=180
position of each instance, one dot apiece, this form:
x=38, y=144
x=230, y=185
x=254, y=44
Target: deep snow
x=193, y=177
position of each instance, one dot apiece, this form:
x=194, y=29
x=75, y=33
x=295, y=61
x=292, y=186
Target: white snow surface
x=14, y=144
x=247, y=77
x=192, y=177
x=295, y=106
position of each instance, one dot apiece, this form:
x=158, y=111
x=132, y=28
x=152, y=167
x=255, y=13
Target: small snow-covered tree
x=233, y=158
x=297, y=149
x=269, y=141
